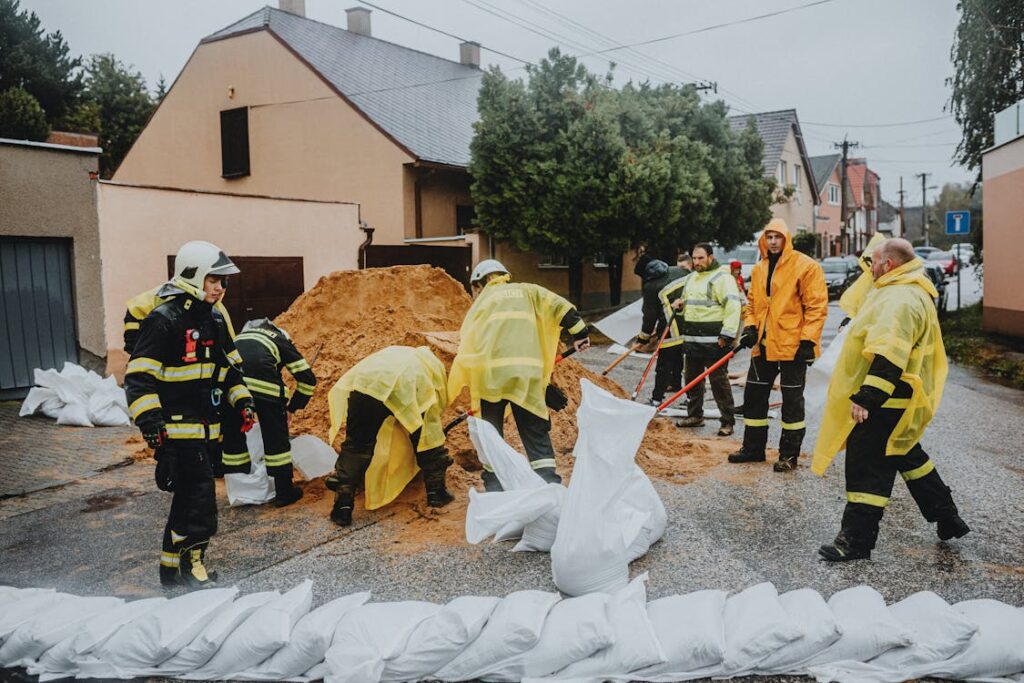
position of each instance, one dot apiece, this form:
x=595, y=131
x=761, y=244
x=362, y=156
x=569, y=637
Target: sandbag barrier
x=76, y=397
x=853, y=637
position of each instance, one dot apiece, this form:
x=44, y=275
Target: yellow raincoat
x=898, y=320
x=410, y=382
x=854, y=296
x=508, y=344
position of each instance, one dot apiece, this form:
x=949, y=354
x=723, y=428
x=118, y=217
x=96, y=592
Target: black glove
x=749, y=337
x=845, y=321
x=805, y=352
x=555, y=398
x=166, y=469
x=155, y=434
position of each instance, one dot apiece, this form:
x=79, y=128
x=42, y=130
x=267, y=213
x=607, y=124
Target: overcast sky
x=849, y=67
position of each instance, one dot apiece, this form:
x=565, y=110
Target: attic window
x=234, y=142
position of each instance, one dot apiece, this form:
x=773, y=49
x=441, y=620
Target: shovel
x=618, y=360
x=697, y=380
x=650, y=363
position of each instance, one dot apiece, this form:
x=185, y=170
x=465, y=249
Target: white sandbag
x=609, y=515
x=107, y=404
x=157, y=636
x=205, y=645
x=266, y=631
x=510, y=466
x=256, y=487
x=41, y=400
x=309, y=641
x=514, y=627
x=938, y=632
x=996, y=651
x=868, y=628
x=439, y=638
x=75, y=414
x=10, y=595
x=371, y=634
x=691, y=631
x=63, y=659
x=575, y=629
x=312, y=457
x=635, y=645
x=511, y=514
x=50, y=626
x=623, y=324
x=25, y=607
x=818, y=630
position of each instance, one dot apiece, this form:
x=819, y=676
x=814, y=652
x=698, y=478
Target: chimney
x=296, y=7
x=359, y=20
x=469, y=54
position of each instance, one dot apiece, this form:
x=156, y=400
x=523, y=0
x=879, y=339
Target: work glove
x=845, y=321
x=166, y=469
x=248, y=417
x=555, y=398
x=155, y=434
x=805, y=352
x=749, y=337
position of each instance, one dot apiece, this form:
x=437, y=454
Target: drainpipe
x=367, y=242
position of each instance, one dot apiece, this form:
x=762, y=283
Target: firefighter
x=884, y=391
x=507, y=348
x=708, y=312
x=788, y=306
x=410, y=385
x=668, y=370
x=176, y=378
x=266, y=349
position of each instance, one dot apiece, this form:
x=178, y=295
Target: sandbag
x=996, y=651
x=256, y=487
x=611, y=513
x=818, y=630
x=267, y=630
x=312, y=457
x=439, y=638
x=635, y=645
x=691, y=631
x=76, y=397
x=41, y=400
x=371, y=634
x=25, y=607
x=513, y=628
x=205, y=645
x=868, y=628
x=309, y=641
x=50, y=626
x=108, y=406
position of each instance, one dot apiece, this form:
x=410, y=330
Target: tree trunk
x=615, y=278
x=576, y=281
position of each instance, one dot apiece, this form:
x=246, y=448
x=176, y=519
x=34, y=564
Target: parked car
x=938, y=277
x=964, y=251
x=840, y=273
x=747, y=253
x=924, y=252
x=947, y=260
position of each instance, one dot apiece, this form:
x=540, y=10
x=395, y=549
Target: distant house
x=828, y=176
x=865, y=186
x=277, y=105
x=785, y=159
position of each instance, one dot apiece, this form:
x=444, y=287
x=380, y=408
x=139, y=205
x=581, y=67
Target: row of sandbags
x=76, y=397
x=609, y=515
x=216, y=634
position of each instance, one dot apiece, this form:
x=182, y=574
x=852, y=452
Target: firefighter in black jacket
x=668, y=371
x=265, y=350
x=177, y=377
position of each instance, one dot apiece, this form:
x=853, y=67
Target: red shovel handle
x=675, y=397
x=650, y=363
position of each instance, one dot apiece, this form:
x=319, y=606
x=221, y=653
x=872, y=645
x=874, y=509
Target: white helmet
x=485, y=268
x=196, y=260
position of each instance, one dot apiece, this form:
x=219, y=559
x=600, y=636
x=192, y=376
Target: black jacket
x=264, y=352
x=654, y=314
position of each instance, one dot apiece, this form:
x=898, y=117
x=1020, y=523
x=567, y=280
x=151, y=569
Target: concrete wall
x=304, y=141
x=440, y=192
x=140, y=227
x=1003, y=206
x=799, y=211
x=45, y=191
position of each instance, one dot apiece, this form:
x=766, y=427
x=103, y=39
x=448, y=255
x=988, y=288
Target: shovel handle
x=697, y=380
x=650, y=363
x=621, y=358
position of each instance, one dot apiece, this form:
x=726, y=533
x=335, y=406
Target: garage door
x=37, y=312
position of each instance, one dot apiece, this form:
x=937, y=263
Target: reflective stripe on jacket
x=711, y=309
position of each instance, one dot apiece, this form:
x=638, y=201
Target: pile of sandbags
x=853, y=637
x=78, y=397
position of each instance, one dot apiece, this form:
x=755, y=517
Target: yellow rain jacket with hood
x=854, y=296
x=797, y=305
x=898, y=321
x=508, y=343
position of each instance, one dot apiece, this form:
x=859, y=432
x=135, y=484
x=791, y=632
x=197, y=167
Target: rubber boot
x=843, y=550
x=549, y=475
x=952, y=527
x=437, y=493
x=286, y=493
x=193, y=569
x=344, y=501
x=169, y=576
x=743, y=455
x=785, y=464
x=690, y=421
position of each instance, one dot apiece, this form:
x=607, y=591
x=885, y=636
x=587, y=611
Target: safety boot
x=193, y=570
x=490, y=481
x=952, y=527
x=549, y=475
x=743, y=455
x=690, y=421
x=785, y=464
x=285, y=493
x=344, y=501
x=843, y=550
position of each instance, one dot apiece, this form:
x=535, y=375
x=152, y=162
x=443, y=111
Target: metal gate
x=37, y=311
x=456, y=261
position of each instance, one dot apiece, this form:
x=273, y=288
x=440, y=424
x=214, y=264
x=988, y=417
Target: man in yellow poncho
x=401, y=381
x=507, y=349
x=884, y=391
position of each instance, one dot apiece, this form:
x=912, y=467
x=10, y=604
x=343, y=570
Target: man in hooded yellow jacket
x=884, y=391
x=406, y=383
x=507, y=348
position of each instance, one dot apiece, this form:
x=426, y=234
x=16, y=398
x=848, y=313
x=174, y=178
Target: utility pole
x=903, y=221
x=844, y=219
x=924, y=208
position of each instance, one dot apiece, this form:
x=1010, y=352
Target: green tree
x=36, y=61
x=161, y=90
x=957, y=197
x=806, y=242
x=988, y=55
x=124, y=106
x=21, y=117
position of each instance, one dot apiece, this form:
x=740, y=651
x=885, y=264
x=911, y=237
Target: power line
x=876, y=125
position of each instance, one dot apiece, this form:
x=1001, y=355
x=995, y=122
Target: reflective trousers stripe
x=279, y=459
x=169, y=559
x=304, y=389
x=542, y=463
x=235, y=458
x=794, y=425
x=867, y=499
x=918, y=472
x=755, y=422
x=176, y=537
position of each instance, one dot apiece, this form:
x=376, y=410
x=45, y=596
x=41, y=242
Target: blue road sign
x=958, y=222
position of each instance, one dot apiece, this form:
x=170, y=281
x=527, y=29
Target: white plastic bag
x=611, y=513
x=623, y=324
x=817, y=625
x=371, y=634
x=514, y=627
x=256, y=487
x=50, y=626
x=309, y=641
x=691, y=631
x=635, y=644
x=868, y=628
x=312, y=457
